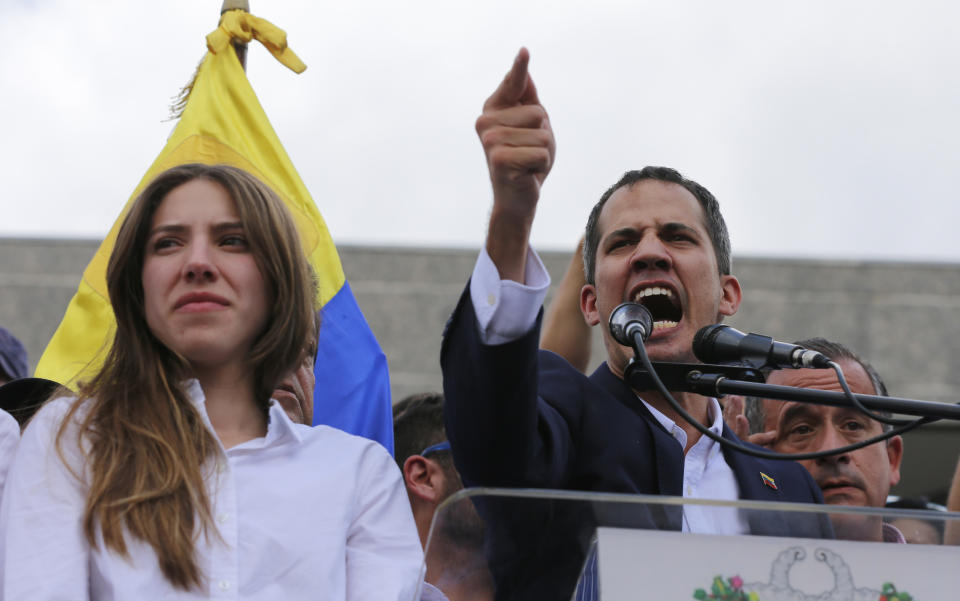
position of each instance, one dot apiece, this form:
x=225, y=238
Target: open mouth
x=663, y=304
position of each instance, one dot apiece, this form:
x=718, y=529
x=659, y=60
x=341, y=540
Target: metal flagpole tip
x=235, y=5
x=238, y=46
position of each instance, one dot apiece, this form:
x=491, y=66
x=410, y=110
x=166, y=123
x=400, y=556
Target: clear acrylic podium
x=541, y=545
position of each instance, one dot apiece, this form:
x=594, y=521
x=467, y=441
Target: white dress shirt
x=506, y=310
x=303, y=513
x=706, y=475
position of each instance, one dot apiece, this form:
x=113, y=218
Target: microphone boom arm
x=717, y=386
x=716, y=380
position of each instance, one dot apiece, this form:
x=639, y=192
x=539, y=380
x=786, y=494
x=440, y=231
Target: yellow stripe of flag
x=222, y=122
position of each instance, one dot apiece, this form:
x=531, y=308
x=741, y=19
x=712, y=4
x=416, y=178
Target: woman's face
x=204, y=295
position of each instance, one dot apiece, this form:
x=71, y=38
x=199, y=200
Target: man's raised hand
x=733, y=415
x=516, y=136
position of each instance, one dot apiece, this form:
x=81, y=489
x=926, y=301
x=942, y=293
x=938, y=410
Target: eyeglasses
x=440, y=446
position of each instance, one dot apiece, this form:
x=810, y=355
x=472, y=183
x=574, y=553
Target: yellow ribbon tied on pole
x=241, y=25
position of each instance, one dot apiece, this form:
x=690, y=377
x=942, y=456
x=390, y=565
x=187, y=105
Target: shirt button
x=222, y=517
x=689, y=491
x=224, y=585
x=491, y=299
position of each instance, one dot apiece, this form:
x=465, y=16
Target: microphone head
x=626, y=318
x=712, y=343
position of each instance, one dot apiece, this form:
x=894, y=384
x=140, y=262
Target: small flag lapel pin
x=768, y=481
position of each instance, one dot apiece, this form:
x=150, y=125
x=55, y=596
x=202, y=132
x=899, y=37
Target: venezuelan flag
x=223, y=123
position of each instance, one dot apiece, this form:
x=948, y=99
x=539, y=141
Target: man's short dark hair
x=417, y=424
x=23, y=397
x=753, y=407
x=837, y=352
x=712, y=218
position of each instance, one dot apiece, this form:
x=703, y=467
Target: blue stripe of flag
x=352, y=391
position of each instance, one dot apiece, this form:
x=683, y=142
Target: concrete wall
x=903, y=317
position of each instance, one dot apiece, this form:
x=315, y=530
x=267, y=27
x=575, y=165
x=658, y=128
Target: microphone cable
x=861, y=407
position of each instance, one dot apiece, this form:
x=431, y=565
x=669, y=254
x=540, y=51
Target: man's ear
x=895, y=455
x=424, y=479
x=730, y=296
x=588, y=305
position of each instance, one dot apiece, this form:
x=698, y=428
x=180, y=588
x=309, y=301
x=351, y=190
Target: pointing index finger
x=514, y=86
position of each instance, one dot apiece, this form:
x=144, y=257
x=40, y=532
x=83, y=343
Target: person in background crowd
x=22, y=398
x=19, y=401
x=859, y=478
x=564, y=330
x=13, y=357
x=13, y=366
x=9, y=437
x=951, y=534
x=455, y=561
x=654, y=237
x=171, y=474
x=915, y=530
x=295, y=391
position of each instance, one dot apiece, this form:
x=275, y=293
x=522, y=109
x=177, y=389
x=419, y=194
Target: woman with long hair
x=173, y=475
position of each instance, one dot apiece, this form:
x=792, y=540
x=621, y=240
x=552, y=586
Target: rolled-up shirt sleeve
x=506, y=310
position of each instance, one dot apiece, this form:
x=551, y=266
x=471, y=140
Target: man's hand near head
x=518, y=142
x=733, y=415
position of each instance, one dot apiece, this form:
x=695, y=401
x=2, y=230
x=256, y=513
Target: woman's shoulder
x=54, y=411
x=329, y=435
x=342, y=443
x=47, y=445
x=45, y=425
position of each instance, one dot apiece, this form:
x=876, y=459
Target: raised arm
x=494, y=421
x=516, y=136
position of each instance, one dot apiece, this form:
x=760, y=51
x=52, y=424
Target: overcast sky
x=826, y=129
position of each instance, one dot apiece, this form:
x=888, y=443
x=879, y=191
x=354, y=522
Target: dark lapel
x=666, y=449
x=749, y=472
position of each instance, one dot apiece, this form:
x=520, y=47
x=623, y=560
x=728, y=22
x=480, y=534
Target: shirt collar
x=892, y=534
x=431, y=593
x=279, y=425
x=195, y=393
x=714, y=414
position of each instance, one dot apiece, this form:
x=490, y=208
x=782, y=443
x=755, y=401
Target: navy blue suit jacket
x=520, y=417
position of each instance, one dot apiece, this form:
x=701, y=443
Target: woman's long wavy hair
x=147, y=446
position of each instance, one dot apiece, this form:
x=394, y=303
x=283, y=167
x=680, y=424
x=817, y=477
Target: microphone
x=723, y=344
x=629, y=319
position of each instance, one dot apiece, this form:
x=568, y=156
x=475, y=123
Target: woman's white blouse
x=303, y=513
